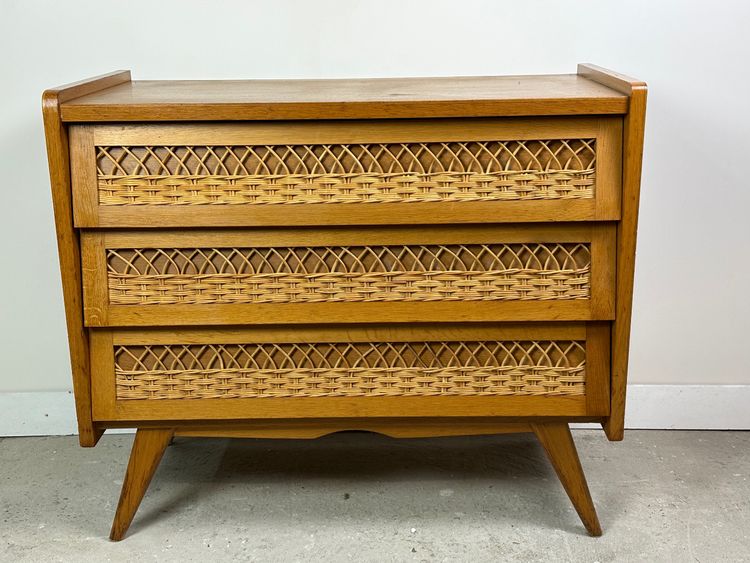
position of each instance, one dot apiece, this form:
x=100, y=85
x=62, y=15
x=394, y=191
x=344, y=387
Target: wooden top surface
x=373, y=98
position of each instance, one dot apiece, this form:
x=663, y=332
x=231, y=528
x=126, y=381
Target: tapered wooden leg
x=561, y=450
x=148, y=449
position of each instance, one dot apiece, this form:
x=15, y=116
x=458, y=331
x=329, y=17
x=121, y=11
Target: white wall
x=691, y=310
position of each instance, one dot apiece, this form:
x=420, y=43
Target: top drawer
x=347, y=173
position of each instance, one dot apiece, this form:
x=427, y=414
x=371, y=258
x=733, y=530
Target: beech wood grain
x=375, y=98
x=69, y=253
x=627, y=228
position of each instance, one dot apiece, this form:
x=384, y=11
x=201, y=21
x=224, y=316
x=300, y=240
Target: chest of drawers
x=416, y=257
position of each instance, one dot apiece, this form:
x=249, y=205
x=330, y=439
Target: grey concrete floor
x=661, y=496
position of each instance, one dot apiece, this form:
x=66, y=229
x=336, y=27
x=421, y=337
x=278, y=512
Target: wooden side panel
x=627, y=231
x=633, y=135
x=68, y=244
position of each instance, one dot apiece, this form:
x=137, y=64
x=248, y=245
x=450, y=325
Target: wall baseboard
x=672, y=407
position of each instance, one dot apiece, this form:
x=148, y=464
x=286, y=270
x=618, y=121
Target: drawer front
x=421, y=370
x=318, y=173
x=397, y=274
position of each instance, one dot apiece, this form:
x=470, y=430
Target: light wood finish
x=410, y=332
x=345, y=423
x=605, y=205
x=102, y=362
x=124, y=157
x=557, y=441
x=148, y=449
x=88, y=86
x=296, y=313
x=58, y=154
x=378, y=98
x=355, y=236
x=353, y=214
x=395, y=428
x=627, y=228
x=356, y=132
x=597, y=368
x=82, y=173
x=599, y=306
x=603, y=270
x=616, y=81
x=108, y=409
x=337, y=407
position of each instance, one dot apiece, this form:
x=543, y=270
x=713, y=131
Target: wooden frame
x=604, y=206
x=113, y=110
x=627, y=228
x=107, y=408
x=99, y=312
x=58, y=153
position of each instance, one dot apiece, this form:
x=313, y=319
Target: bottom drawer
x=538, y=369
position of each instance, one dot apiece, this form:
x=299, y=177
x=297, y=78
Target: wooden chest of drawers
x=416, y=257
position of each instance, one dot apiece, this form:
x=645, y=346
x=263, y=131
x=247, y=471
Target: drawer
x=335, y=275
x=351, y=371
x=341, y=173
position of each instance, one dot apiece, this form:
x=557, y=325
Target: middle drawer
x=384, y=274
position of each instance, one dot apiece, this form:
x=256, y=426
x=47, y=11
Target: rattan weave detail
x=353, y=173
x=215, y=371
x=349, y=274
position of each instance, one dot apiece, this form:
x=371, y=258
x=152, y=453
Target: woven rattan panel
x=214, y=371
x=349, y=274
x=375, y=173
